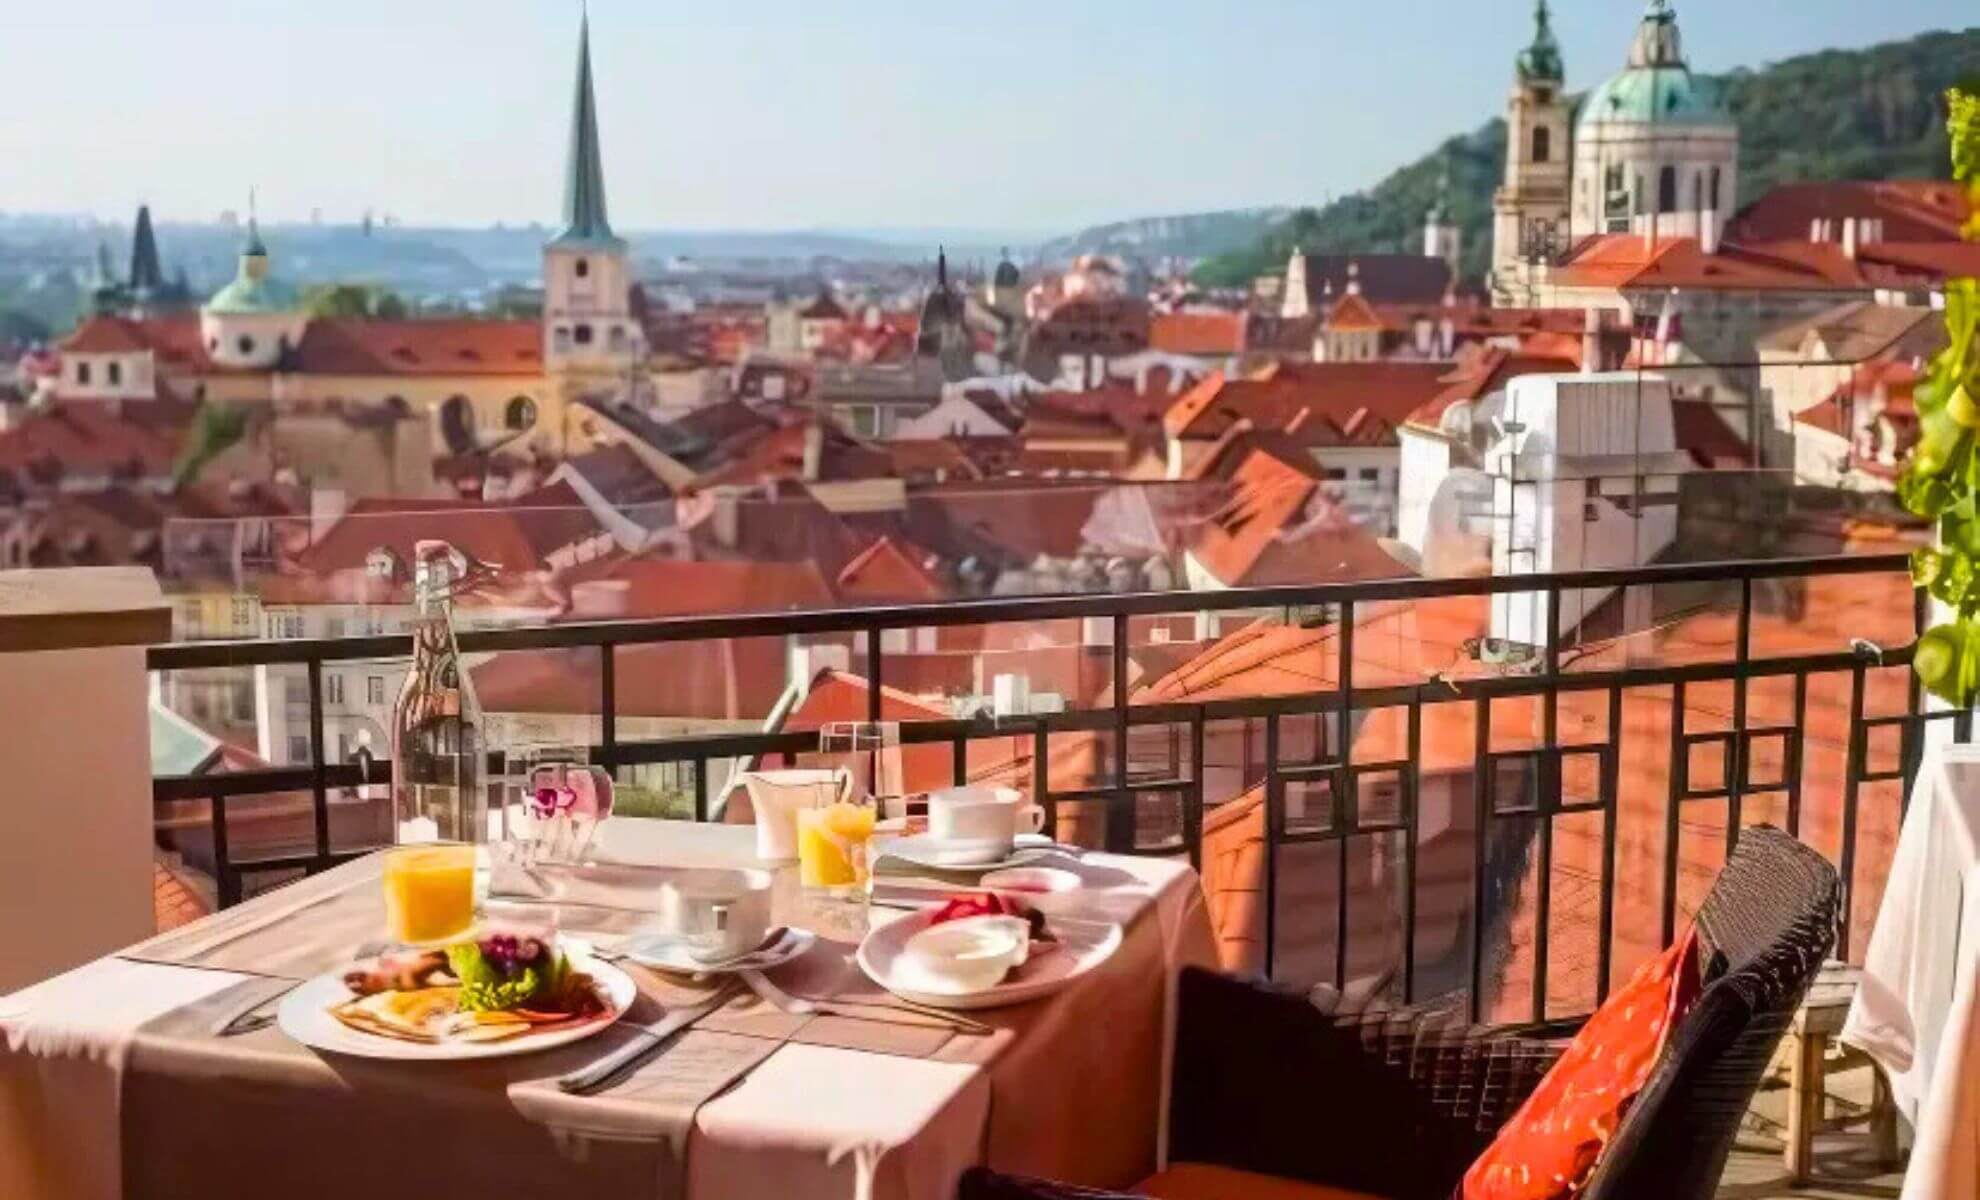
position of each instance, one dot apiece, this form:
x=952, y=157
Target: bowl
x=970, y=955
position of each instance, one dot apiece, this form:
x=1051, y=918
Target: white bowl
x=970, y=955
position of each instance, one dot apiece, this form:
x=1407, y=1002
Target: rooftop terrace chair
x=1276, y=1101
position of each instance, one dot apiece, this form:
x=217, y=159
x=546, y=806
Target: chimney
x=814, y=450
x=1591, y=341
x=1849, y=235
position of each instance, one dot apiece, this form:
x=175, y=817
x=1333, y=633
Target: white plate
x=927, y=850
x=1083, y=945
x=667, y=953
x=305, y=1016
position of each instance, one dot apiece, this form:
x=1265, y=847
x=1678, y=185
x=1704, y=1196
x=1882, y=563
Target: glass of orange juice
x=832, y=846
x=429, y=893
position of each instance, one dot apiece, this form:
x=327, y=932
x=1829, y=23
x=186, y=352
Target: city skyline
x=790, y=120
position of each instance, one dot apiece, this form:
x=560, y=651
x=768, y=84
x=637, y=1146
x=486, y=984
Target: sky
x=1023, y=115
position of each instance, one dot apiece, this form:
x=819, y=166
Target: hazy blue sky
x=1022, y=114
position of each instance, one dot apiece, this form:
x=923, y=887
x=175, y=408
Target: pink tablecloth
x=1072, y=1086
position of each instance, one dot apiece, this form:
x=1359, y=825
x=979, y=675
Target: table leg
x=1883, y=1119
x=1804, y=1113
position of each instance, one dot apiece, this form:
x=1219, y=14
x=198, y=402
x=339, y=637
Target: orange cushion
x=1201, y=1181
x=1552, y=1144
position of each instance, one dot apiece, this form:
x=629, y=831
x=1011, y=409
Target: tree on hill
x=1877, y=113
x=355, y=300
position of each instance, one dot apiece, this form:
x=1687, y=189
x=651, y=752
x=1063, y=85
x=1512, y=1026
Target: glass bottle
x=437, y=727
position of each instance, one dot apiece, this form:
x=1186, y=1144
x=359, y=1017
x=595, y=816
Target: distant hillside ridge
x=1192, y=235
x=1876, y=113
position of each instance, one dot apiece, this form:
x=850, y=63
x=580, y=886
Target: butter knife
x=645, y=1044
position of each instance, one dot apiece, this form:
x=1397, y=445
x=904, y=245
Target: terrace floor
x=1845, y=1166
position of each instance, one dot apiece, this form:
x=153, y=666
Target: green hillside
x=1877, y=113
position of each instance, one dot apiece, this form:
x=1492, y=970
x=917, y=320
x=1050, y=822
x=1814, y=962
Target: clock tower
x=1530, y=211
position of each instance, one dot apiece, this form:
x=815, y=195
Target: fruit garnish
x=991, y=904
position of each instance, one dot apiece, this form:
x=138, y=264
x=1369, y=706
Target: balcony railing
x=1514, y=800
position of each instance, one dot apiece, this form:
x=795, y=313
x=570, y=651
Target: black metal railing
x=1498, y=862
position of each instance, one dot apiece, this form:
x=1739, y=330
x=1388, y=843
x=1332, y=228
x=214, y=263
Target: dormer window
x=82, y=373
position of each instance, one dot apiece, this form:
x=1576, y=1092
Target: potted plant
x=1942, y=479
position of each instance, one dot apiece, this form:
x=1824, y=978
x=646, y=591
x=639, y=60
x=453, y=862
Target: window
x=333, y=688
x=1698, y=192
x=582, y=332
x=243, y=612
x=298, y=749
x=1715, y=189
x=374, y=689
x=561, y=340
x=1371, y=474
x=82, y=372
x=295, y=692
x=1543, y=144
x=115, y=370
x=521, y=414
x=1667, y=190
x=583, y=268
x=381, y=563
x=245, y=344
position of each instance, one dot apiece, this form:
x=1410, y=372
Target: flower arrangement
x=1942, y=480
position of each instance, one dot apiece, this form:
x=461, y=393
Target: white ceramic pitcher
x=776, y=796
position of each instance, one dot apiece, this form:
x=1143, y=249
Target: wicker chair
x=1275, y=1101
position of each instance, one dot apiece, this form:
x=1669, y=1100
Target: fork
x=799, y=1006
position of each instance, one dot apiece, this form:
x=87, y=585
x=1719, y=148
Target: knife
x=645, y=1044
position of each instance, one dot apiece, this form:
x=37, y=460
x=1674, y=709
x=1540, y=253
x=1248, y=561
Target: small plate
x=1081, y=946
x=927, y=850
x=664, y=952
x=1031, y=881
x=305, y=1016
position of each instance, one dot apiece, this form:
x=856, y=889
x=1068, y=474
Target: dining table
x=116, y=1080
x=1916, y=1012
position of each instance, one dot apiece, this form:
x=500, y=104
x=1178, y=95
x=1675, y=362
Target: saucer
x=927, y=850
x=667, y=952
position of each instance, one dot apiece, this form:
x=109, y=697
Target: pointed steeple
x=942, y=268
x=147, y=276
x=584, y=170
x=1540, y=62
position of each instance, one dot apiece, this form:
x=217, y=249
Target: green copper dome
x=1657, y=86
x=253, y=289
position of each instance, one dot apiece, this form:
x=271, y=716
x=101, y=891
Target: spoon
x=727, y=961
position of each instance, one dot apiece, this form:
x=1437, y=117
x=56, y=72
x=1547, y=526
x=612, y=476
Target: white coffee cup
x=717, y=913
x=992, y=815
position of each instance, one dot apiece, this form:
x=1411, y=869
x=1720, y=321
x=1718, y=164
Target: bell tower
x=1530, y=211
x=588, y=325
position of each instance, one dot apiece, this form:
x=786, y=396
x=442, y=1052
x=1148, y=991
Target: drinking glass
x=430, y=893
x=556, y=804
x=834, y=839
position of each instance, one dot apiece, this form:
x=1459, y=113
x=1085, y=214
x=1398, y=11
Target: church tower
x=1530, y=212
x=588, y=327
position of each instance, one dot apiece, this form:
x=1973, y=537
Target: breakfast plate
x=1080, y=947
x=665, y=953
x=308, y=1015
x=927, y=850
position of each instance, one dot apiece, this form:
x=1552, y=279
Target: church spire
x=1540, y=62
x=584, y=170
x=146, y=274
x=1657, y=42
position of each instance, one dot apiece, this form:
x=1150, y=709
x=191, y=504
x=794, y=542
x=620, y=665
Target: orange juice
x=832, y=844
x=429, y=893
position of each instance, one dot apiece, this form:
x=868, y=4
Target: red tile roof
x=1366, y=401
x=890, y=571
x=89, y=436
x=1620, y=260
x=1207, y=334
x=1481, y=371
x=647, y=587
x=365, y=346
x=1912, y=210
x=1352, y=314
x=513, y=538
x=735, y=680
x=1276, y=526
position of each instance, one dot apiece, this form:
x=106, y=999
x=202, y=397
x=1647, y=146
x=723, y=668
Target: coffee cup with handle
x=992, y=817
